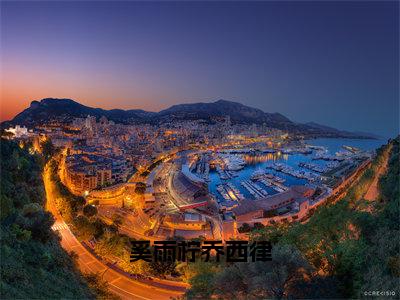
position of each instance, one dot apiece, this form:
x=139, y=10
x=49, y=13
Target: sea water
x=254, y=163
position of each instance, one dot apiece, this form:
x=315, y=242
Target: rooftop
x=295, y=193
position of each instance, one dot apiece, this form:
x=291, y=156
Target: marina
x=229, y=192
x=225, y=174
x=254, y=189
x=319, y=168
x=273, y=171
x=302, y=174
x=270, y=180
x=231, y=162
x=201, y=168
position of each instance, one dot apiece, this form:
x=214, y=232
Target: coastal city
x=190, y=179
x=199, y=150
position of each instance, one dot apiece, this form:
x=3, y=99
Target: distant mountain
x=50, y=109
x=237, y=112
x=329, y=130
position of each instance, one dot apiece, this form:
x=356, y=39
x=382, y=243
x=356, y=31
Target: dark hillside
x=33, y=264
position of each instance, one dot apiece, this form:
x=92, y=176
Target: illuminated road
x=121, y=285
x=373, y=190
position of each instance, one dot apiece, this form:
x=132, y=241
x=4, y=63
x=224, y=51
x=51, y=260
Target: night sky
x=335, y=63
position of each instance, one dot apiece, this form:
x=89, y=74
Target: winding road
x=373, y=190
x=119, y=284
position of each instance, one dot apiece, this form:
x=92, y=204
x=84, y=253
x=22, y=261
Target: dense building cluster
x=102, y=152
x=172, y=161
x=190, y=179
x=85, y=171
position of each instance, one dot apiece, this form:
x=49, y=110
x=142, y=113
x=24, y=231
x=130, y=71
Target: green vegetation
x=88, y=226
x=145, y=173
x=33, y=264
x=151, y=167
x=140, y=188
x=288, y=275
x=82, y=217
x=345, y=249
x=89, y=210
x=47, y=149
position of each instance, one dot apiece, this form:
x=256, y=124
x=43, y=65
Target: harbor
x=201, y=167
x=299, y=173
x=254, y=189
x=245, y=173
x=229, y=192
x=319, y=168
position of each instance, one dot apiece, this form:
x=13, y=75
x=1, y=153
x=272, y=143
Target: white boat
x=257, y=174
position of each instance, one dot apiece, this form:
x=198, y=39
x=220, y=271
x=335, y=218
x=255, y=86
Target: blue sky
x=335, y=63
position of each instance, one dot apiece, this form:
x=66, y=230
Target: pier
x=254, y=189
x=229, y=192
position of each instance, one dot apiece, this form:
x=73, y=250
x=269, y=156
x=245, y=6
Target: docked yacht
x=258, y=174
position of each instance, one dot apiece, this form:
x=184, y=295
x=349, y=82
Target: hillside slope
x=33, y=264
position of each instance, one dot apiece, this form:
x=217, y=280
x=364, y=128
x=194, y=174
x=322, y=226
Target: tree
x=112, y=244
x=139, y=267
x=48, y=149
x=33, y=265
x=99, y=286
x=200, y=276
x=160, y=268
x=233, y=281
x=273, y=279
x=89, y=210
x=84, y=228
x=317, y=287
x=258, y=225
x=117, y=220
x=244, y=228
x=37, y=221
x=6, y=206
x=140, y=188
